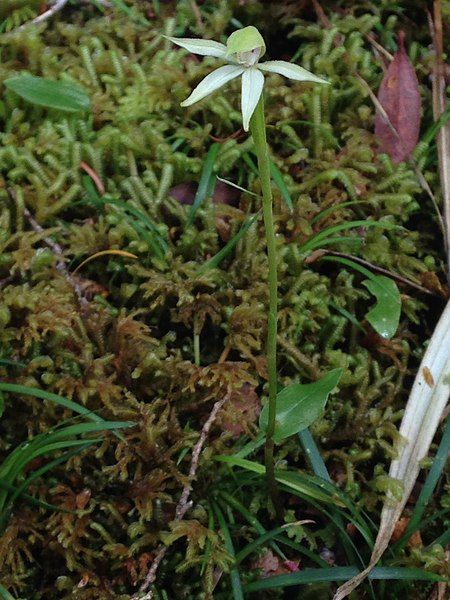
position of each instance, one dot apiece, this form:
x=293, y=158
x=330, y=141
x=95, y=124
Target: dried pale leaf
x=399, y=96
x=419, y=424
x=103, y=253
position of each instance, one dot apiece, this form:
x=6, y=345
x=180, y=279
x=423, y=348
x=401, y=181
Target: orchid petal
x=213, y=82
x=289, y=70
x=202, y=47
x=252, y=86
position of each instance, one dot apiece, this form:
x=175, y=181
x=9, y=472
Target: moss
x=131, y=355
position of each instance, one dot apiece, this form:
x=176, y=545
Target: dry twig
x=198, y=17
x=57, y=6
x=48, y=14
x=184, y=503
x=443, y=136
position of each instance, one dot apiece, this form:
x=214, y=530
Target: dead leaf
x=399, y=96
x=241, y=411
x=431, y=282
x=400, y=528
x=270, y=565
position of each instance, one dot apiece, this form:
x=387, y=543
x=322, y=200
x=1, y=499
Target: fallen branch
x=184, y=504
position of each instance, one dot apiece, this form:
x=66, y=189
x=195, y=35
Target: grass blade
x=250, y=518
x=236, y=585
x=276, y=534
x=206, y=178
x=313, y=455
x=277, y=178
x=307, y=576
x=316, y=240
x=43, y=395
x=143, y=224
x=213, y=262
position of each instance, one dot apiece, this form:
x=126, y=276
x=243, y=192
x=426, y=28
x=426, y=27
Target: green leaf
x=4, y=594
x=339, y=574
x=385, y=315
x=63, y=96
x=299, y=405
x=277, y=178
x=207, y=181
x=236, y=585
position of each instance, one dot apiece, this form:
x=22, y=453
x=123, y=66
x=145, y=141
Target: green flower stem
x=258, y=131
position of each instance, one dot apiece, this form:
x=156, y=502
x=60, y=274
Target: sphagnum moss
x=132, y=356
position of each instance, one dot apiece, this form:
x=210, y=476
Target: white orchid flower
x=243, y=50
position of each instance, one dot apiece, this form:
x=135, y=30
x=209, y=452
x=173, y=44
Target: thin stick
x=184, y=503
x=60, y=264
x=58, y=5
x=198, y=17
x=381, y=49
x=443, y=136
x=48, y=14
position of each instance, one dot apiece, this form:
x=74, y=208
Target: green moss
x=131, y=355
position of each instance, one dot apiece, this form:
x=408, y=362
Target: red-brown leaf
x=399, y=95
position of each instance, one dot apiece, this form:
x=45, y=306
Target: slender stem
x=258, y=131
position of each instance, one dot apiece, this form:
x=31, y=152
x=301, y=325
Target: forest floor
x=164, y=327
